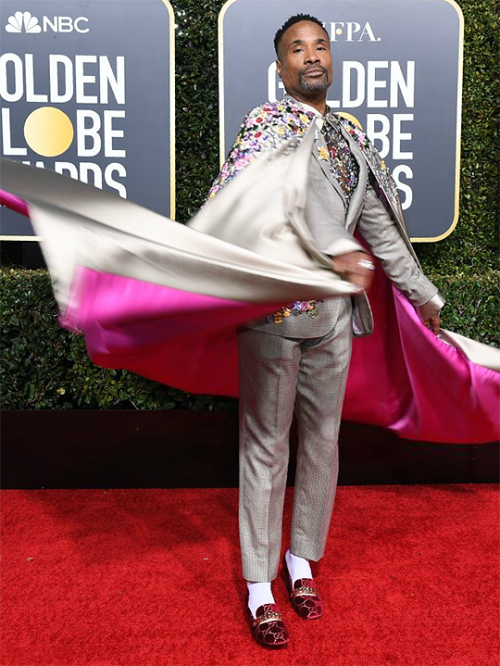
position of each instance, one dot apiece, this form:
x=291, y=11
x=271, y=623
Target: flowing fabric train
x=163, y=300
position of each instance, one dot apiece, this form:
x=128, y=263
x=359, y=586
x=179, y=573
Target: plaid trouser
x=278, y=375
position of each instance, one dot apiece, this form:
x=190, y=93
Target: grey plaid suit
x=301, y=365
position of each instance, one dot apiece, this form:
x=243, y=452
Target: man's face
x=305, y=62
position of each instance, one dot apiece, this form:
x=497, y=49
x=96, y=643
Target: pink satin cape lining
x=11, y=201
x=401, y=377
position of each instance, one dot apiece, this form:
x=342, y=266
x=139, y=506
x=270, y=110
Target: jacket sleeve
x=385, y=241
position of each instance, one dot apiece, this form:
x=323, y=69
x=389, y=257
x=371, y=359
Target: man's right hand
x=354, y=267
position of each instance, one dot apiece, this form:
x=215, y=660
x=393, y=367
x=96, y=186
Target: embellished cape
x=164, y=300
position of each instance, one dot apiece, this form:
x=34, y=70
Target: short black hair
x=292, y=21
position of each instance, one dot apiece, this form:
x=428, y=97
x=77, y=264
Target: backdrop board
x=397, y=69
x=87, y=89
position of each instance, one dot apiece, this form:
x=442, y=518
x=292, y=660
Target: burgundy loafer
x=303, y=596
x=268, y=627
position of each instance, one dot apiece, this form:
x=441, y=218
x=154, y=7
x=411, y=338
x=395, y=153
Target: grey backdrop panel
x=138, y=30
x=428, y=32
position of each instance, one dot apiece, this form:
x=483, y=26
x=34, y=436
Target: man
x=298, y=358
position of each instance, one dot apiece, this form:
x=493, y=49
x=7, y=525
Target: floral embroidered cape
x=266, y=126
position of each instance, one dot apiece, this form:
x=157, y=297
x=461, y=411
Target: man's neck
x=318, y=103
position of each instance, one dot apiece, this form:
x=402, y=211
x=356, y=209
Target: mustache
x=311, y=67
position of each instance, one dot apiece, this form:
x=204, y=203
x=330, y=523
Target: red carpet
x=143, y=578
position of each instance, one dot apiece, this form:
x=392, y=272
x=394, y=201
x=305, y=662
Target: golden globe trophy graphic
x=48, y=131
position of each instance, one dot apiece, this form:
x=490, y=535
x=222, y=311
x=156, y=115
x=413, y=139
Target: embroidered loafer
x=303, y=596
x=268, y=627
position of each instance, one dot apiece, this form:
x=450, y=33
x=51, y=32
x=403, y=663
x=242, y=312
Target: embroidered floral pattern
x=343, y=164
x=323, y=153
x=293, y=310
x=356, y=133
x=269, y=124
x=264, y=128
x=376, y=164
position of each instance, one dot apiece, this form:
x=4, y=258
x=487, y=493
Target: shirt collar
x=308, y=107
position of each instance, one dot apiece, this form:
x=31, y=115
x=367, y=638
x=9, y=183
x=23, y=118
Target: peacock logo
x=23, y=22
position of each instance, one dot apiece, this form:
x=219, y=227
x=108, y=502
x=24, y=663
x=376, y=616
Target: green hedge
x=473, y=245
x=44, y=367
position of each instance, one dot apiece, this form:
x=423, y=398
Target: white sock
x=259, y=593
x=297, y=566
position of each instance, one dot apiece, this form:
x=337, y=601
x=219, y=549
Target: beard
x=316, y=85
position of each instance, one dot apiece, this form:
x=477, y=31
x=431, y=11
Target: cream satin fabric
x=477, y=352
x=263, y=209
x=84, y=226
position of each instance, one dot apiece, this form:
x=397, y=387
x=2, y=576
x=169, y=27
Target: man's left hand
x=433, y=323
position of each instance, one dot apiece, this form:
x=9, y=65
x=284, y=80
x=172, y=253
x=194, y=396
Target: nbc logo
x=20, y=20
x=25, y=22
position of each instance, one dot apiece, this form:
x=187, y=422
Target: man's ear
x=278, y=67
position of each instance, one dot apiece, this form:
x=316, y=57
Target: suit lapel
x=358, y=197
x=320, y=150
x=322, y=156
x=371, y=161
